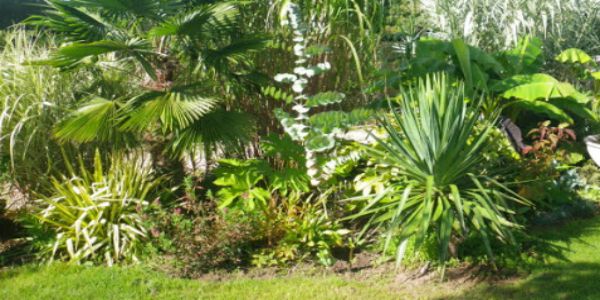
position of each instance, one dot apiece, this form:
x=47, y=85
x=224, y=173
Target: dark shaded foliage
x=14, y=11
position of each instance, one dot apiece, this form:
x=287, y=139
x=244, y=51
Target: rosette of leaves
x=440, y=188
x=96, y=216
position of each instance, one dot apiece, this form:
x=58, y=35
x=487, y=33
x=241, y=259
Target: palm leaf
x=73, y=23
x=218, y=127
x=235, y=53
x=124, y=8
x=97, y=120
x=174, y=109
x=201, y=22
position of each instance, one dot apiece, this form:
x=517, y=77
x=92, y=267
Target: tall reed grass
x=498, y=24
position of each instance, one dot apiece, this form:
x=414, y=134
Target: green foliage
x=310, y=233
x=252, y=184
x=175, y=52
x=511, y=75
x=96, y=216
x=197, y=235
x=544, y=94
x=33, y=99
x=573, y=56
x=440, y=188
x=294, y=225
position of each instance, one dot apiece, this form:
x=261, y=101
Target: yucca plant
x=96, y=216
x=439, y=187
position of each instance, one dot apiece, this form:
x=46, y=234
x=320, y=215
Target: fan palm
x=436, y=150
x=180, y=53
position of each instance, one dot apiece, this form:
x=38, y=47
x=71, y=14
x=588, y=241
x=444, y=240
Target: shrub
x=198, y=237
x=96, y=215
x=293, y=223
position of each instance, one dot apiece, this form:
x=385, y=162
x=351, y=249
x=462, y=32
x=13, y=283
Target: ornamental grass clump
x=97, y=216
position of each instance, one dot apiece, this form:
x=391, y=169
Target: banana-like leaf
x=574, y=107
x=461, y=50
x=539, y=87
x=525, y=58
x=573, y=56
x=544, y=108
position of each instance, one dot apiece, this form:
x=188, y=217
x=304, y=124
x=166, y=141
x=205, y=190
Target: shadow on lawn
x=557, y=281
x=560, y=278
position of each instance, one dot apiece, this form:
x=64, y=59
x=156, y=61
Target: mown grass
x=575, y=276
x=78, y=282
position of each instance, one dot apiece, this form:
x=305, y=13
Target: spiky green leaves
x=439, y=187
x=94, y=214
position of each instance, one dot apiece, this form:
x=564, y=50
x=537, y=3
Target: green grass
x=78, y=282
x=576, y=276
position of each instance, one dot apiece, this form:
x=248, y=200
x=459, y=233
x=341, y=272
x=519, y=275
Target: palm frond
x=126, y=8
x=75, y=24
x=218, y=127
x=236, y=52
x=202, y=22
x=70, y=56
x=174, y=109
x=97, y=120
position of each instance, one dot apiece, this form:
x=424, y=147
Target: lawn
x=574, y=277
x=70, y=282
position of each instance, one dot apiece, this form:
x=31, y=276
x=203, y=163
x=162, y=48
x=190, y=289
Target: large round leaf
x=539, y=87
